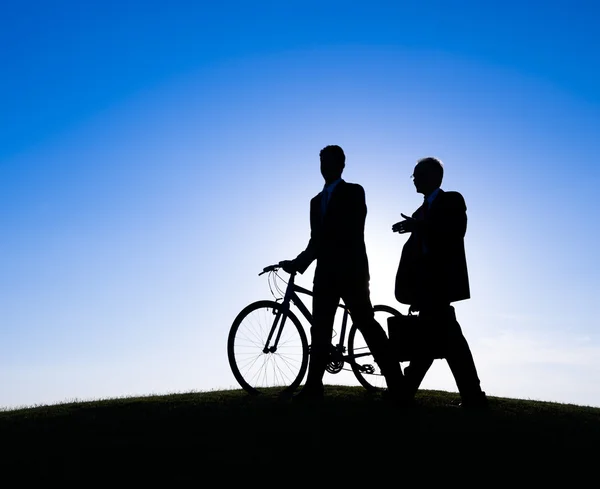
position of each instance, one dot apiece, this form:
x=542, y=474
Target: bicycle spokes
x=267, y=347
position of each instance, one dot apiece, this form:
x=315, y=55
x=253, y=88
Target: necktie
x=324, y=198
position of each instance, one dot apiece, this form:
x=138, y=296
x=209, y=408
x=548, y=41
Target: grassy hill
x=233, y=436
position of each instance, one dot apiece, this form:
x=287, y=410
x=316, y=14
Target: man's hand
x=406, y=226
x=288, y=266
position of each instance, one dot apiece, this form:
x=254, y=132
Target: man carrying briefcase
x=431, y=275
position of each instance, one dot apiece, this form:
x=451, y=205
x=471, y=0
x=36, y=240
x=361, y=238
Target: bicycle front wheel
x=363, y=363
x=267, y=348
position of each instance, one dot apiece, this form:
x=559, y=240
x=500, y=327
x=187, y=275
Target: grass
x=233, y=436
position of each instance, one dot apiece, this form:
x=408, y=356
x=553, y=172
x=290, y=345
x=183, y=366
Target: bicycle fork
x=278, y=324
x=280, y=317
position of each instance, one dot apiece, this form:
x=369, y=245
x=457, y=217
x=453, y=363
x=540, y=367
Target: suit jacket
x=433, y=264
x=337, y=240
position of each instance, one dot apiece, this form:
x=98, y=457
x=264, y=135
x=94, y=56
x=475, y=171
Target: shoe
x=475, y=403
x=309, y=394
x=397, y=399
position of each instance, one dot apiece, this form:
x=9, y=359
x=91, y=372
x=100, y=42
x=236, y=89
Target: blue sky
x=154, y=157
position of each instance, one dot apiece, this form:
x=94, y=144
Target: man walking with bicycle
x=337, y=221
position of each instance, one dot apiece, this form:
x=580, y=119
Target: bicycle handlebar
x=270, y=268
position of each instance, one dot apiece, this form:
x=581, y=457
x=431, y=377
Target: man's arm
x=306, y=257
x=302, y=261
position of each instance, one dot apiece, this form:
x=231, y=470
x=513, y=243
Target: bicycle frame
x=292, y=296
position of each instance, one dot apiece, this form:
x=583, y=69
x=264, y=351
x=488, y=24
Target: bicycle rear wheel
x=257, y=366
x=365, y=368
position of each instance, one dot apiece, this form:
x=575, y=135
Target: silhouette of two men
x=431, y=275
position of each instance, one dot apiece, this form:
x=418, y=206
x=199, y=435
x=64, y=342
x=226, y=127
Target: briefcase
x=413, y=337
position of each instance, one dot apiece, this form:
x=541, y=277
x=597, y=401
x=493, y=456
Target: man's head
x=428, y=175
x=333, y=161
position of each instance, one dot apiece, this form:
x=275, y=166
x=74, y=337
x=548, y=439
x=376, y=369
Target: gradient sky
x=155, y=156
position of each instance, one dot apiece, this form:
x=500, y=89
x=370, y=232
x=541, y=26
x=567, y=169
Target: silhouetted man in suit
x=337, y=220
x=433, y=273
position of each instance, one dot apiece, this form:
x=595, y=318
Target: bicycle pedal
x=367, y=369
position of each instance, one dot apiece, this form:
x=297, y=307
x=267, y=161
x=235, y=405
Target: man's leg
x=358, y=302
x=325, y=302
x=461, y=363
x=414, y=374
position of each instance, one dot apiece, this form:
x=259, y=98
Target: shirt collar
x=430, y=198
x=332, y=185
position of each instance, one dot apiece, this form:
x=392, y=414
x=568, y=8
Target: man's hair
x=335, y=154
x=434, y=165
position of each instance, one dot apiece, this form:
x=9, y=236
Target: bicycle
x=267, y=345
